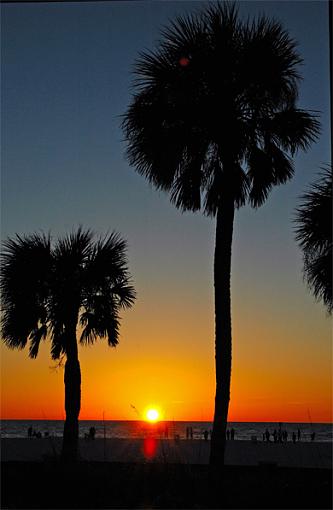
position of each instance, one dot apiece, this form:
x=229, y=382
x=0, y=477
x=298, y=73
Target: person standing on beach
x=280, y=435
x=298, y=435
x=232, y=434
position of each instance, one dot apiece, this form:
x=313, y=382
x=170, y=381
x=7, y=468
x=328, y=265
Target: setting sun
x=152, y=415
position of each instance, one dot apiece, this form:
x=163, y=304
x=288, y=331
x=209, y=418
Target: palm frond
x=107, y=263
x=186, y=188
x=107, y=288
x=25, y=272
x=58, y=339
x=100, y=320
x=74, y=247
x=314, y=235
x=282, y=166
x=314, y=215
x=16, y=325
x=124, y=293
x=156, y=143
x=70, y=255
x=35, y=337
x=270, y=64
x=260, y=175
x=318, y=274
x=292, y=129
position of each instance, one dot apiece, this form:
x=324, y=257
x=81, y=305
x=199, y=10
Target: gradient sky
x=66, y=80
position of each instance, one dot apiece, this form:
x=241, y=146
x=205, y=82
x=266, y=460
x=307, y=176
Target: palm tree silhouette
x=212, y=121
x=314, y=234
x=48, y=290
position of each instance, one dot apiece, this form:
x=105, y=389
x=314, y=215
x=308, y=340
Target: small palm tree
x=48, y=290
x=211, y=122
x=314, y=234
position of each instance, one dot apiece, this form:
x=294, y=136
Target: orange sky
x=281, y=370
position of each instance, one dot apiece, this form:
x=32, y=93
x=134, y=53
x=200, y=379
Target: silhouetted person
x=29, y=431
x=206, y=435
x=228, y=434
x=280, y=433
x=313, y=435
x=263, y=436
x=285, y=436
x=232, y=434
x=294, y=437
x=267, y=435
x=298, y=435
x=92, y=432
x=187, y=432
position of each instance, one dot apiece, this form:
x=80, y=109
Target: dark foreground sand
x=153, y=485
x=124, y=473
x=241, y=453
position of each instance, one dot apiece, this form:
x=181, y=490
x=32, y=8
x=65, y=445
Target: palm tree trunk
x=222, y=274
x=72, y=381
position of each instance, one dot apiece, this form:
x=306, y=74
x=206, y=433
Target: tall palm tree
x=314, y=234
x=48, y=290
x=212, y=120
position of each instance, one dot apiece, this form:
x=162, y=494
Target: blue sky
x=66, y=81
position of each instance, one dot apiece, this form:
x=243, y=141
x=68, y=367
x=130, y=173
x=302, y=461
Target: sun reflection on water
x=149, y=447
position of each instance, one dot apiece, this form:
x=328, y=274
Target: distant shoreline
x=305, y=423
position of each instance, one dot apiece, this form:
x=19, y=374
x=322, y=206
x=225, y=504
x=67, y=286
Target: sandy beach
x=138, y=473
x=241, y=453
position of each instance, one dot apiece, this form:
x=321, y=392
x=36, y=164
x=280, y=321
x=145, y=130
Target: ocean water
x=141, y=429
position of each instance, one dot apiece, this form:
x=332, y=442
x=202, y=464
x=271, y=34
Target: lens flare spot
x=184, y=61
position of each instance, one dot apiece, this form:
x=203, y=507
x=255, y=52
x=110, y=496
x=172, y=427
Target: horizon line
x=163, y=421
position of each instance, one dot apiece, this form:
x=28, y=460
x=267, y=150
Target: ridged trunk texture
x=72, y=381
x=222, y=277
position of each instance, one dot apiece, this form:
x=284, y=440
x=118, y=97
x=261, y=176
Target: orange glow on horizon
x=275, y=381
